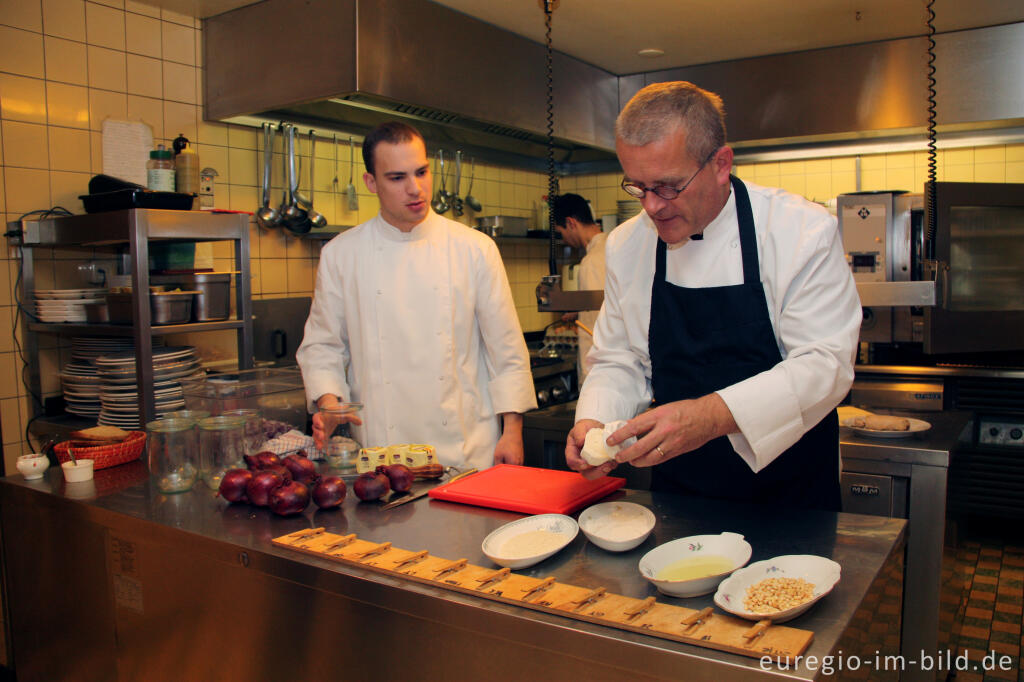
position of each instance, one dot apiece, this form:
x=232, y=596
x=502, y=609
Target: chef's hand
x=510, y=446
x=574, y=445
x=321, y=429
x=674, y=428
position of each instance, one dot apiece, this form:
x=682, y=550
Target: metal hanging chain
x=929, y=191
x=549, y=6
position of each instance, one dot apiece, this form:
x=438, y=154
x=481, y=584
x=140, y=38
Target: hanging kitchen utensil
x=456, y=199
x=295, y=219
x=301, y=200
x=334, y=182
x=266, y=216
x=471, y=200
x=350, y=191
x=316, y=219
x=440, y=203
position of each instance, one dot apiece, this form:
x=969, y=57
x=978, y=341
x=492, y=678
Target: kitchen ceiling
x=609, y=33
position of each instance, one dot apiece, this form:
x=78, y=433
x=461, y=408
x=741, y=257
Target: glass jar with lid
x=171, y=447
x=221, y=447
x=254, y=438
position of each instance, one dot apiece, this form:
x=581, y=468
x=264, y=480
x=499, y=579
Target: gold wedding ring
x=658, y=448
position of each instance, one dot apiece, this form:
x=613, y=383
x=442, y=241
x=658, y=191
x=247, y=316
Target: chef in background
x=413, y=317
x=575, y=223
x=729, y=309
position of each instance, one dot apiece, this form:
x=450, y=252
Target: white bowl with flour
x=529, y=541
x=617, y=526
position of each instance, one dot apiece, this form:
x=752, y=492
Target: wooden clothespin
x=640, y=609
x=379, y=549
x=539, y=587
x=342, y=541
x=412, y=558
x=757, y=631
x=497, y=576
x=453, y=567
x=696, y=618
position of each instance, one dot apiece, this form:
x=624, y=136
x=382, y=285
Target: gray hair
x=659, y=108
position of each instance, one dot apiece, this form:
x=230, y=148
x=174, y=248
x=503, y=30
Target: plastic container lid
x=161, y=154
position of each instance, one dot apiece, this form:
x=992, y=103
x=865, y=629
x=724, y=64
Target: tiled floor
x=994, y=583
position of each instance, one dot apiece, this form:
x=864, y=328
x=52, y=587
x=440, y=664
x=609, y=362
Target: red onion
x=261, y=485
x=232, y=486
x=262, y=460
x=399, y=476
x=302, y=469
x=329, y=492
x=290, y=498
x=280, y=470
x=371, y=486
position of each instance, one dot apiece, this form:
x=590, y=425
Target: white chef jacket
x=591, y=278
x=421, y=328
x=812, y=303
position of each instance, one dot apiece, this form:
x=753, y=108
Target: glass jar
x=221, y=446
x=341, y=448
x=171, y=447
x=254, y=438
x=160, y=170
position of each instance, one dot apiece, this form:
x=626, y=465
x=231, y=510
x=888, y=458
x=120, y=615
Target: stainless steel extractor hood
x=350, y=64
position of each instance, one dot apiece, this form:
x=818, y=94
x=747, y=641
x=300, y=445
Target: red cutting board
x=527, y=489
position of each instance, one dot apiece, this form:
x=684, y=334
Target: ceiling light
x=651, y=52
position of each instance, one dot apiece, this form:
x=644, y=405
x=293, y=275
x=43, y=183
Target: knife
x=415, y=496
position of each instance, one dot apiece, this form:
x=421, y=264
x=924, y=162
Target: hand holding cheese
x=596, y=450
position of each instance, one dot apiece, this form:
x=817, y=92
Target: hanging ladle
x=440, y=202
x=266, y=216
x=316, y=219
x=295, y=219
x=350, y=191
x=471, y=200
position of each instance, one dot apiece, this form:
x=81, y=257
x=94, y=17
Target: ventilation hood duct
x=351, y=64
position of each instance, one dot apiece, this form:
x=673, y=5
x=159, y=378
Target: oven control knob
x=558, y=393
x=543, y=397
x=1015, y=434
x=993, y=431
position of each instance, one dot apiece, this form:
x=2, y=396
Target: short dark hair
x=571, y=206
x=391, y=132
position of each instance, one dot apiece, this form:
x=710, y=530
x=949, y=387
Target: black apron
x=702, y=340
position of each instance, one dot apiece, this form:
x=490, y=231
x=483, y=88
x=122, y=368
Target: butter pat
x=596, y=450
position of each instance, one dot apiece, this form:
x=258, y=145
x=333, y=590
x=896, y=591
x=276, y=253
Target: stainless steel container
x=166, y=307
x=509, y=226
x=213, y=293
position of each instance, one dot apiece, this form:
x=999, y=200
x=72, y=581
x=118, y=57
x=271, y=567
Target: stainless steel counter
x=916, y=466
x=149, y=586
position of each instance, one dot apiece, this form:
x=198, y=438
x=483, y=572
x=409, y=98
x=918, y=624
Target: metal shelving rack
x=137, y=229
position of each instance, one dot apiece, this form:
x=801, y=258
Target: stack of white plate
x=65, y=305
x=119, y=392
x=80, y=380
x=626, y=209
x=81, y=385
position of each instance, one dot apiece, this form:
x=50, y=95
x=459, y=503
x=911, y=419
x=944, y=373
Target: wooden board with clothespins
x=703, y=628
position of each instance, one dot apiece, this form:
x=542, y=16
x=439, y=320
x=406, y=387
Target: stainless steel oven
x=957, y=289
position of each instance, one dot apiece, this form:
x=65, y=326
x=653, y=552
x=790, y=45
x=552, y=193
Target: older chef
x=729, y=306
x=413, y=317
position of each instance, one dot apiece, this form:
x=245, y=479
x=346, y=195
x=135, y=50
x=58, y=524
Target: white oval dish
x=729, y=545
x=821, y=572
x=559, y=524
x=617, y=526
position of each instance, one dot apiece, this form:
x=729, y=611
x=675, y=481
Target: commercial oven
x=954, y=288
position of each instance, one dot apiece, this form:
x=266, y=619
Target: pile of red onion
x=284, y=485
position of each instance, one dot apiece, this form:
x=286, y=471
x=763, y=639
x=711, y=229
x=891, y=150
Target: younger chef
x=413, y=317
x=727, y=304
x=575, y=223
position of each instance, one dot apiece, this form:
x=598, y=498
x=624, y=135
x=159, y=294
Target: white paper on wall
x=126, y=147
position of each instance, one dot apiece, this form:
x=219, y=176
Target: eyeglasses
x=667, y=193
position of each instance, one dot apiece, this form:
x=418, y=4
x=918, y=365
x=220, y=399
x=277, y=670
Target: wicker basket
x=104, y=456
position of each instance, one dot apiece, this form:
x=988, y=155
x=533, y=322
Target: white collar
x=392, y=233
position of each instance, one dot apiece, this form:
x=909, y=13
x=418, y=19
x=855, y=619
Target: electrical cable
x=40, y=214
x=550, y=115
x=929, y=187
